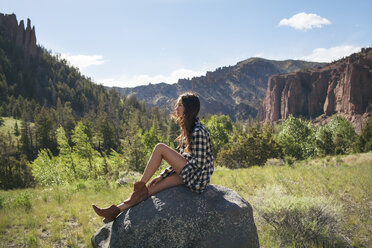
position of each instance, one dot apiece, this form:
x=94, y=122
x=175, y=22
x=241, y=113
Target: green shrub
x=219, y=127
x=301, y=221
x=47, y=170
x=297, y=138
x=324, y=141
x=343, y=134
x=288, y=160
x=254, y=148
x=23, y=201
x=365, y=139
x=80, y=186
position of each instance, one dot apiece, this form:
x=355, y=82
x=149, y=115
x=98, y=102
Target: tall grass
x=315, y=203
x=339, y=187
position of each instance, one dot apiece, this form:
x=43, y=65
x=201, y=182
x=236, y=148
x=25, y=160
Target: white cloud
x=330, y=54
x=136, y=80
x=83, y=61
x=303, y=21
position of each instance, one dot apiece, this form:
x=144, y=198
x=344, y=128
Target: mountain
x=32, y=78
x=343, y=87
x=236, y=90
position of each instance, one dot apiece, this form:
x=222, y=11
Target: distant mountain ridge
x=236, y=90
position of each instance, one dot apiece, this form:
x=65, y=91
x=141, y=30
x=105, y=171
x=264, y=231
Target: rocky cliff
x=343, y=87
x=236, y=90
x=23, y=37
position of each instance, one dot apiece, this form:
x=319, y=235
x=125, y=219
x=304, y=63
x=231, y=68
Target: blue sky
x=129, y=43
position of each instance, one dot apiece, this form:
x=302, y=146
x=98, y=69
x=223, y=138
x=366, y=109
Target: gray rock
x=176, y=217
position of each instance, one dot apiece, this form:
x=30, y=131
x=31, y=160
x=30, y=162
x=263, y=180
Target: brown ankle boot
x=109, y=213
x=139, y=194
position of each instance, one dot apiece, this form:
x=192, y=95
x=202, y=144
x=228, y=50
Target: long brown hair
x=191, y=104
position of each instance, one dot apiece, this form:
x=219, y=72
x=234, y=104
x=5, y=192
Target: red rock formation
x=343, y=87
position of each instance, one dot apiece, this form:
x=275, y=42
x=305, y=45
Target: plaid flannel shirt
x=199, y=166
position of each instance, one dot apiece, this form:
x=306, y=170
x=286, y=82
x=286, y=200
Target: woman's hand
x=155, y=181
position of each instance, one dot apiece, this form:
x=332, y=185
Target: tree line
x=234, y=146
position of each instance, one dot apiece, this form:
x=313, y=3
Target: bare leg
x=173, y=158
x=162, y=151
x=168, y=182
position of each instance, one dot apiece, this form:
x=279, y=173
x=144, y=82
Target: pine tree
x=26, y=139
x=46, y=130
x=16, y=129
x=134, y=150
x=106, y=133
x=172, y=133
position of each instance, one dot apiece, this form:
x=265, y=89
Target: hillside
x=236, y=90
x=42, y=92
x=30, y=77
x=343, y=87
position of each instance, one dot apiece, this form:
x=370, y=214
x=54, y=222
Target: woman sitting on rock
x=193, y=166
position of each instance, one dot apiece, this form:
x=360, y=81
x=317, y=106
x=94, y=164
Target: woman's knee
x=160, y=147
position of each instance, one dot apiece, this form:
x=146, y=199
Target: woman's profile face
x=179, y=108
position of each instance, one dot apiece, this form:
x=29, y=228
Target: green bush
x=301, y=221
x=78, y=162
x=365, y=138
x=219, y=127
x=47, y=170
x=80, y=186
x=288, y=160
x=23, y=201
x=254, y=148
x=297, y=138
x=343, y=135
x=324, y=141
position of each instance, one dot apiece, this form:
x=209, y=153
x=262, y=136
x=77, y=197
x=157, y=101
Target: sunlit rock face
x=343, y=87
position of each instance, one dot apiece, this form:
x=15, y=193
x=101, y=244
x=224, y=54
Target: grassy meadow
x=340, y=186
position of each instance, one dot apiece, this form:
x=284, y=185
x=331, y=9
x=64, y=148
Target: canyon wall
x=343, y=87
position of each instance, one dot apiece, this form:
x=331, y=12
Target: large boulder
x=176, y=217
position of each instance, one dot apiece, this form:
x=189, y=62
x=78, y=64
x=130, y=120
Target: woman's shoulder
x=199, y=128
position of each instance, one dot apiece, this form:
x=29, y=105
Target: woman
x=193, y=166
